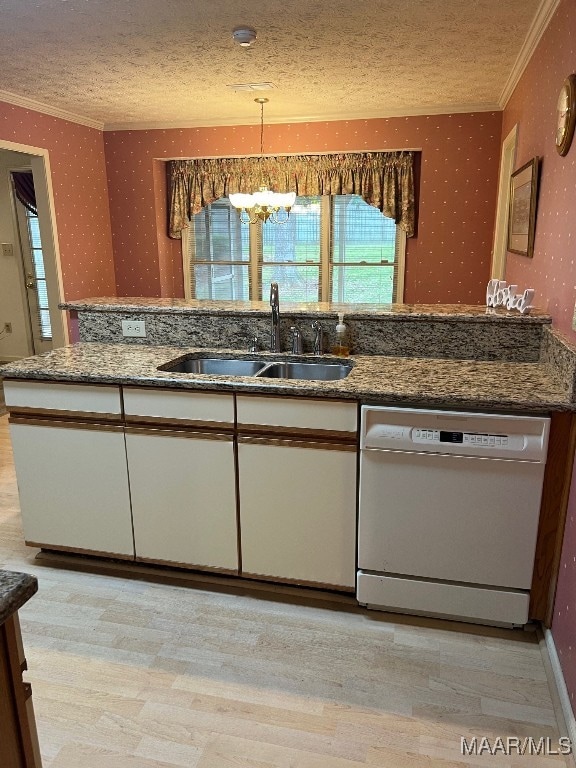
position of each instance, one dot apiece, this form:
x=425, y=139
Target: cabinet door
x=184, y=498
x=298, y=511
x=73, y=486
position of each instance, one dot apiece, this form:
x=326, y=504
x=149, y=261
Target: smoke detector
x=244, y=36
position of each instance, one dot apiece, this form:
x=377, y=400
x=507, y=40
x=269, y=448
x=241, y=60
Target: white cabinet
x=183, y=498
x=262, y=486
x=180, y=449
x=70, y=460
x=297, y=490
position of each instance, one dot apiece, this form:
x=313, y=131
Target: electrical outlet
x=134, y=328
x=8, y=327
x=7, y=249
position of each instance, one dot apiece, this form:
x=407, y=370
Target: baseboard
x=560, y=685
x=10, y=358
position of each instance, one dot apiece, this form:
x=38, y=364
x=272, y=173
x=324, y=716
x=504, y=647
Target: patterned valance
x=383, y=179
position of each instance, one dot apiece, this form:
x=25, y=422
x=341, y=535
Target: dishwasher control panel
x=509, y=442
x=457, y=433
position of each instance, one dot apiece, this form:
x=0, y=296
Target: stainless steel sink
x=215, y=365
x=308, y=371
x=231, y=366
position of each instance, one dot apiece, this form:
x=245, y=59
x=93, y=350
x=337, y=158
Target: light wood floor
x=132, y=674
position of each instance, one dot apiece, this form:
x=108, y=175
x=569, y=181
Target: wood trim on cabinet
x=160, y=421
x=187, y=566
x=78, y=550
x=22, y=693
x=63, y=382
x=297, y=582
x=293, y=443
x=553, y=511
x=175, y=432
x=99, y=426
x=29, y=412
x=298, y=398
x=298, y=432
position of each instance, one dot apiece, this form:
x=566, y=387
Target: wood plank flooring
x=133, y=674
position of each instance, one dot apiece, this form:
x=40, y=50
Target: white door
x=298, y=511
x=456, y=518
x=73, y=486
x=184, y=498
x=34, y=278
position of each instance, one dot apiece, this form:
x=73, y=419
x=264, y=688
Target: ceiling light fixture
x=263, y=205
x=244, y=36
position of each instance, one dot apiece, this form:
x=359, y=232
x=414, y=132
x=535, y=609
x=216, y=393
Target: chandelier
x=263, y=205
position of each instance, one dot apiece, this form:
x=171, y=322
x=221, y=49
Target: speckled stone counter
x=15, y=590
x=464, y=384
x=401, y=330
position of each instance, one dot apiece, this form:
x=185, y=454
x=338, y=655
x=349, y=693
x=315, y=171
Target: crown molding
x=46, y=109
x=440, y=109
x=537, y=28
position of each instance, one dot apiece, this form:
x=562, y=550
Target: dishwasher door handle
x=451, y=455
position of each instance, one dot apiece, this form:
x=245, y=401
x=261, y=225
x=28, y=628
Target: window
x=39, y=275
x=332, y=248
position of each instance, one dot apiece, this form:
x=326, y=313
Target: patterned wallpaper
x=448, y=261
x=552, y=271
x=80, y=196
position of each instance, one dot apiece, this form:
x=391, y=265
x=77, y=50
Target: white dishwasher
x=448, y=512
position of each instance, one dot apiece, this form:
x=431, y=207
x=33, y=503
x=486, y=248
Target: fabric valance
x=24, y=189
x=383, y=179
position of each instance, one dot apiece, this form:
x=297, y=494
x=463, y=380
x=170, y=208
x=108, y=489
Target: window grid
x=333, y=248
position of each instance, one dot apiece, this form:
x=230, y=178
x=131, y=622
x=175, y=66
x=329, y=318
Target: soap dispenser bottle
x=341, y=346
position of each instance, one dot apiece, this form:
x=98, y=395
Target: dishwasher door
x=456, y=518
x=449, y=508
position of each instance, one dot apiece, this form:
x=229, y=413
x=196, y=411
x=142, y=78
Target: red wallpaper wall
x=80, y=196
x=448, y=261
x=552, y=271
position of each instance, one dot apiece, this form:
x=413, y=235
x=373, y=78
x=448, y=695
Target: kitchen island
x=18, y=738
x=108, y=407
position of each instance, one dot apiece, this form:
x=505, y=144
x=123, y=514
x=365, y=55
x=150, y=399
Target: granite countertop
x=456, y=312
x=15, y=590
x=483, y=385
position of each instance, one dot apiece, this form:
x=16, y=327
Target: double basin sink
x=283, y=369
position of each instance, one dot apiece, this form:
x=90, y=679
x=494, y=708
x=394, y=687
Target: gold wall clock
x=566, y=115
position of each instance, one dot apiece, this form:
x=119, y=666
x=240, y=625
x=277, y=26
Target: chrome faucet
x=296, y=340
x=318, y=337
x=275, y=332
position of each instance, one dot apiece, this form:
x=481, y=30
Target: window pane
x=34, y=230
x=218, y=234
x=219, y=253
x=221, y=282
x=42, y=294
x=363, y=285
x=296, y=282
x=362, y=236
x=45, y=328
x=38, y=258
x=291, y=252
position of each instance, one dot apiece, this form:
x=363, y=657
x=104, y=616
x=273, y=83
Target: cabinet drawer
x=184, y=407
x=298, y=414
x=63, y=399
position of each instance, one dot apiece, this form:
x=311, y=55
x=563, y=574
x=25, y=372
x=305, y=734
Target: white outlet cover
x=134, y=328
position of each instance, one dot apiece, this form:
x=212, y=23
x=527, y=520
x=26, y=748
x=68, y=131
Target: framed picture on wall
x=522, y=218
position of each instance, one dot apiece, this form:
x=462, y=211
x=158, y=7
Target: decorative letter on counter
x=500, y=294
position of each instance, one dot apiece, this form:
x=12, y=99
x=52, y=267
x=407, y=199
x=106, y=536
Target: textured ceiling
x=169, y=61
